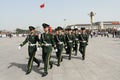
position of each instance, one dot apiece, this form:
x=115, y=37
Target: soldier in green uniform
x=56, y=33
x=76, y=41
x=60, y=40
x=69, y=42
x=32, y=39
x=65, y=34
x=83, y=38
x=47, y=41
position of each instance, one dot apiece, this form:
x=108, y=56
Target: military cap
x=31, y=28
x=75, y=29
x=56, y=29
x=59, y=28
x=69, y=29
x=83, y=28
x=45, y=25
x=66, y=29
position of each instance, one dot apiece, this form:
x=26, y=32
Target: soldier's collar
x=60, y=34
x=83, y=33
x=46, y=32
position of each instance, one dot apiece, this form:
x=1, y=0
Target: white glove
x=38, y=49
x=47, y=44
x=66, y=47
x=55, y=50
x=19, y=47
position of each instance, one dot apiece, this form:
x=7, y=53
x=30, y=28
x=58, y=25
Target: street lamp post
x=91, y=14
x=65, y=23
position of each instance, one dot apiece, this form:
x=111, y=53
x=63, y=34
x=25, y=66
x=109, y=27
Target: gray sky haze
x=22, y=13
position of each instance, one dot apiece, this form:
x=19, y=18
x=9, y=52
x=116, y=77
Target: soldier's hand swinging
x=19, y=47
x=56, y=50
x=38, y=49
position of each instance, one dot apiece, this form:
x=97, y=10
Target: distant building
x=98, y=25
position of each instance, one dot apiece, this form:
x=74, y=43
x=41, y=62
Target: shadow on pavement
x=23, y=67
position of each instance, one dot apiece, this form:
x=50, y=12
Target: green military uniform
x=47, y=41
x=66, y=33
x=60, y=40
x=32, y=48
x=75, y=46
x=83, y=38
x=69, y=42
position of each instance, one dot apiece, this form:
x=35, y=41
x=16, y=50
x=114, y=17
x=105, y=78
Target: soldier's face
x=84, y=31
x=73, y=31
x=66, y=32
x=60, y=31
x=76, y=31
x=69, y=31
x=32, y=31
x=56, y=32
x=46, y=29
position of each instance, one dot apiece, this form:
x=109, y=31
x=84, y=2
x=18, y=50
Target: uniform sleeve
x=64, y=40
x=25, y=41
x=87, y=37
x=53, y=40
x=73, y=38
x=38, y=40
x=79, y=37
x=65, y=37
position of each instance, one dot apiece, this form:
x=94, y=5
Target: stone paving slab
x=102, y=62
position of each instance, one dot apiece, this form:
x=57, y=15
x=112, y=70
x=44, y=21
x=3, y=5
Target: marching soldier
x=56, y=33
x=60, y=40
x=47, y=41
x=32, y=39
x=83, y=38
x=65, y=34
x=75, y=46
x=69, y=42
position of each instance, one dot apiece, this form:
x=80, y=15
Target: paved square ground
x=102, y=62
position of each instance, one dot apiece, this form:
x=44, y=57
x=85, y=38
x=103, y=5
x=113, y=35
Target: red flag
x=42, y=5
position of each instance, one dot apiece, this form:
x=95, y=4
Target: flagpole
x=64, y=23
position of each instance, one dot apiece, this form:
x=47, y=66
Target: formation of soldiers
x=67, y=39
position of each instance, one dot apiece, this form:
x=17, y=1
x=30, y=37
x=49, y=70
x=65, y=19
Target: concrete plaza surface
x=102, y=62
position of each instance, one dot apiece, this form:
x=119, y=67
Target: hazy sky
x=22, y=13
